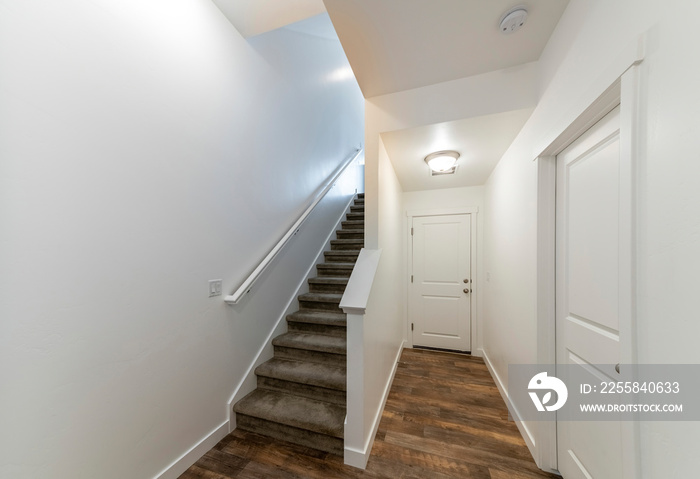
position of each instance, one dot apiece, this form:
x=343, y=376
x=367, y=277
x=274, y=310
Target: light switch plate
x=214, y=287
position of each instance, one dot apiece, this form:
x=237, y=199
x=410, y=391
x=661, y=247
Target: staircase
x=301, y=391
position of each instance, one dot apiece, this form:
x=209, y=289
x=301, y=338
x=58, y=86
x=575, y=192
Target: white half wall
x=589, y=38
x=383, y=323
x=147, y=148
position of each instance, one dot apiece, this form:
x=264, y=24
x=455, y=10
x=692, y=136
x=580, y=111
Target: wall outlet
x=214, y=287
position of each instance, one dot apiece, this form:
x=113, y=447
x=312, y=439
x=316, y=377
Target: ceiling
x=396, y=45
x=399, y=45
x=252, y=17
x=481, y=141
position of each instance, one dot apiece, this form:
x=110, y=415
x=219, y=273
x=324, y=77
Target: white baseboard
x=522, y=426
x=356, y=458
x=266, y=351
x=174, y=470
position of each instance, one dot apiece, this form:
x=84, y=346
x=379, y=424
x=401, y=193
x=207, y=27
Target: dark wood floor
x=444, y=418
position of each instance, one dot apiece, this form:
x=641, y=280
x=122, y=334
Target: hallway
x=444, y=418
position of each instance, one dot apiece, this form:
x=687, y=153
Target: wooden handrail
x=245, y=287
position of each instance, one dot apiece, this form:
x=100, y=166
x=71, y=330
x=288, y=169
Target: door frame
x=622, y=88
x=472, y=211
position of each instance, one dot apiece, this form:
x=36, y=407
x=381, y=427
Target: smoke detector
x=513, y=20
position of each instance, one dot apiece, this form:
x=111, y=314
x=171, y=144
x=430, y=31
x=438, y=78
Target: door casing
x=625, y=91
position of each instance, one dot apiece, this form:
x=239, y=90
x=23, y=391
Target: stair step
x=355, y=216
x=357, y=209
x=296, y=354
x=321, y=301
x=335, y=269
x=353, y=225
x=350, y=234
x=299, y=420
x=350, y=244
x=360, y=195
x=318, y=317
x=327, y=284
x=312, y=374
x=334, y=396
x=341, y=256
x=311, y=342
x=313, y=328
x=315, y=348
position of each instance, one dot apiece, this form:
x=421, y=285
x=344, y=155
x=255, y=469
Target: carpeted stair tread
x=319, y=317
x=348, y=266
x=353, y=225
x=335, y=269
x=312, y=342
x=304, y=372
x=342, y=253
x=354, y=234
x=295, y=411
x=321, y=297
x=348, y=244
x=329, y=280
x=341, y=256
x=328, y=284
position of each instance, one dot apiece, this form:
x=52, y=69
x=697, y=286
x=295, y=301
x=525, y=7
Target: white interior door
x=590, y=276
x=440, y=292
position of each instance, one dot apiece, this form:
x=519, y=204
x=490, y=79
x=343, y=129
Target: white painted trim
x=356, y=295
x=249, y=381
x=603, y=105
x=573, y=121
x=631, y=155
x=247, y=284
x=546, y=431
x=457, y=210
x=522, y=427
x=180, y=465
x=357, y=458
x=473, y=211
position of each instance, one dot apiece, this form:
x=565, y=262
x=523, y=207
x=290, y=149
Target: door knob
x=466, y=290
x=465, y=280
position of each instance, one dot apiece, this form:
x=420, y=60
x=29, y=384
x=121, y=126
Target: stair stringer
x=249, y=382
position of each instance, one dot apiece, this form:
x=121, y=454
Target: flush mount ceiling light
x=442, y=162
x=512, y=20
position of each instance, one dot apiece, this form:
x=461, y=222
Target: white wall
x=433, y=200
x=145, y=148
x=590, y=36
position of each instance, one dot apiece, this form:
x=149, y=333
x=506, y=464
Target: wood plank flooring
x=444, y=418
